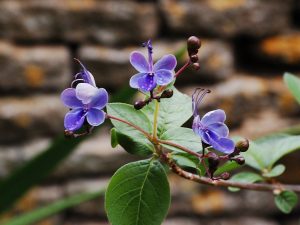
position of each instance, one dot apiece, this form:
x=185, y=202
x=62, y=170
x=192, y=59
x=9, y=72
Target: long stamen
x=200, y=92
x=148, y=44
x=77, y=80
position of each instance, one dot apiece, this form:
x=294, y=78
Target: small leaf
x=286, y=201
x=227, y=167
x=135, y=146
x=245, y=177
x=184, y=137
x=113, y=137
x=293, y=84
x=276, y=171
x=173, y=112
x=265, y=152
x=138, y=194
x=185, y=160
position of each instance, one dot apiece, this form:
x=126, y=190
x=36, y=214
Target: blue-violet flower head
x=86, y=102
x=211, y=127
x=149, y=76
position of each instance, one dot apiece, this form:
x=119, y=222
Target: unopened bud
x=139, y=105
x=167, y=93
x=213, y=160
x=196, y=66
x=225, y=176
x=240, y=160
x=193, y=44
x=68, y=134
x=194, y=58
x=243, y=145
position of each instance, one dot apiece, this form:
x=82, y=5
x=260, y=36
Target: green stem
x=155, y=120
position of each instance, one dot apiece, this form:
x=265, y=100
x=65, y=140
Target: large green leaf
x=245, y=177
x=142, y=147
x=138, y=194
x=286, y=201
x=227, y=167
x=293, y=84
x=53, y=208
x=265, y=152
x=32, y=172
x=184, y=137
x=173, y=112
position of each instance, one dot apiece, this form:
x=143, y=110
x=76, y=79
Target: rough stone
x=111, y=66
x=39, y=68
x=109, y=22
x=281, y=48
x=226, y=18
x=30, y=117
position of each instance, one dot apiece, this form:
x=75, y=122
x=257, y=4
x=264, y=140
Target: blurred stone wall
x=246, y=47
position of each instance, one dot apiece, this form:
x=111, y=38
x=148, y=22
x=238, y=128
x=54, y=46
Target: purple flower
x=86, y=102
x=149, y=76
x=211, y=127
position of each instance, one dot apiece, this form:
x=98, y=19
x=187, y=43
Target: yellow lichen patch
x=286, y=47
x=225, y=4
x=23, y=120
x=34, y=75
x=208, y=202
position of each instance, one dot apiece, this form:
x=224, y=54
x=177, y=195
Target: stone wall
x=246, y=47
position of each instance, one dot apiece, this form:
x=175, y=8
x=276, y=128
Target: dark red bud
x=213, y=160
x=240, y=160
x=243, y=145
x=68, y=134
x=196, y=66
x=167, y=93
x=139, y=105
x=193, y=44
x=194, y=58
x=225, y=176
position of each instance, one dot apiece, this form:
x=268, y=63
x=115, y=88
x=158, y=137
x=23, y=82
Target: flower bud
x=240, y=160
x=139, y=105
x=193, y=44
x=196, y=66
x=194, y=58
x=213, y=160
x=225, y=176
x=167, y=93
x=243, y=145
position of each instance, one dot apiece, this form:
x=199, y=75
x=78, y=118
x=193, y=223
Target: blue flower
x=86, y=102
x=211, y=127
x=149, y=76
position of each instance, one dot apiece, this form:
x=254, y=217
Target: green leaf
x=141, y=147
x=185, y=160
x=276, y=171
x=184, y=137
x=32, y=172
x=245, y=177
x=264, y=153
x=173, y=112
x=138, y=194
x=128, y=137
x=53, y=208
x=227, y=167
x=113, y=137
x=293, y=84
x=286, y=201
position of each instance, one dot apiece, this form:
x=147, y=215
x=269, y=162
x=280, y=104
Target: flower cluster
x=85, y=101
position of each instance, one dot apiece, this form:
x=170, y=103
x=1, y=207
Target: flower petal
x=147, y=83
x=95, y=117
x=135, y=78
x=69, y=98
x=163, y=77
x=214, y=116
x=74, y=119
x=139, y=62
x=221, y=144
x=100, y=99
x=219, y=128
x=85, y=92
x=167, y=62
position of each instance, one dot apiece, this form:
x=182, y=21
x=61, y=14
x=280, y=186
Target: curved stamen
x=148, y=44
x=76, y=80
x=200, y=92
